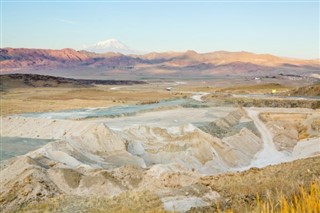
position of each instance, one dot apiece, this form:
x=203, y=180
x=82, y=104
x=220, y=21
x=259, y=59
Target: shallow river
x=115, y=111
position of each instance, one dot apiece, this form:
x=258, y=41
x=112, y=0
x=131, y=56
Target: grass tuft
x=306, y=201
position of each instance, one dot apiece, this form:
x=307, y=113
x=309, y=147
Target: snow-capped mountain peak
x=110, y=45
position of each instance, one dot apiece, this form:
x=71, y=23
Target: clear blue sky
x=285, y=29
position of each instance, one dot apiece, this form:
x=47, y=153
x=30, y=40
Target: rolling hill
x=190, y=63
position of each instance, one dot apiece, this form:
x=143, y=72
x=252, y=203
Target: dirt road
x=269, y=154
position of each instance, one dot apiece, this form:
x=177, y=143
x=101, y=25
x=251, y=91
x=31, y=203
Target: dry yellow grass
x=240, y=190
x=306, y=201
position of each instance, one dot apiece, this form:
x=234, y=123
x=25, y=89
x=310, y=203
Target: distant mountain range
x=72, y=63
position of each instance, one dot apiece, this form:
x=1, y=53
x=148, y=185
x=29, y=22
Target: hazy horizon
x=286, y=29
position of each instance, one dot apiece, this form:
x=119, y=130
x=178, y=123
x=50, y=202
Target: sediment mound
x=230, y=124
x=24, y=180
x=191, y=147
x=96, y=145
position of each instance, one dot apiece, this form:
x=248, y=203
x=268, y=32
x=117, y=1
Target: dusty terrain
x=19, y=97
x=192, y=152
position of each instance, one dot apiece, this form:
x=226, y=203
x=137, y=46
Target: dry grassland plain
x=26, y=100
